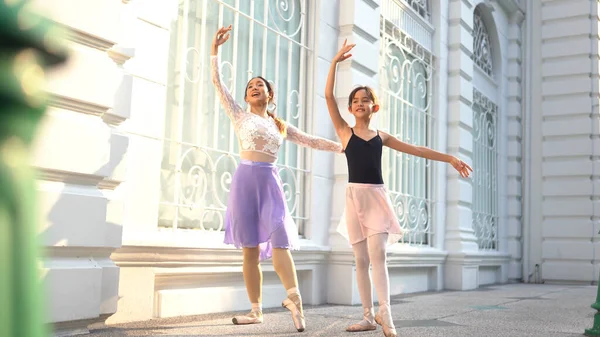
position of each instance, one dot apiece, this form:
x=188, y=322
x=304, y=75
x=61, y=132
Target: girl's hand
x=463, y=168
x=221, y=36
x=342, y=55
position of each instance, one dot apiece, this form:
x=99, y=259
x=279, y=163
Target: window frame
x=306, y=101
x=388, y=27
x=484, y=84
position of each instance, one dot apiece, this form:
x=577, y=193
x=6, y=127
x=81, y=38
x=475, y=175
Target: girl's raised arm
x=232, y=109
x=341, y=127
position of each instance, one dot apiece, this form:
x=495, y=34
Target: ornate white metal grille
x=405, y=69
x=482, y=48
x=418, y=27
x=270, y=39
x=485, y=166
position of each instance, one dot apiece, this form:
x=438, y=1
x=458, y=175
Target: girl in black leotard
x=369, y=222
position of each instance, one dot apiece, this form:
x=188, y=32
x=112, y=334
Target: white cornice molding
x=75, y=178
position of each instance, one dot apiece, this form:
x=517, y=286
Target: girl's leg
x=253, y=275
x=253, y=279
x=378, y=254
x=284, y=266
x=363, y=279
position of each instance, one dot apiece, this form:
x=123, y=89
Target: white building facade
x=136, y=154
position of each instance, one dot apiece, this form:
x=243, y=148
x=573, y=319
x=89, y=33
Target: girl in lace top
x=257, y=218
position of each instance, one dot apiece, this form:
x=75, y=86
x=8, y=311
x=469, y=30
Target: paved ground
x=509, y=310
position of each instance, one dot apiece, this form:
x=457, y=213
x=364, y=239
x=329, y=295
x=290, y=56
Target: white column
x=461, y=270
x=563, y=220
x=439, y=13
x=80, y=159
x=149, y=32
x=514, y=115
x=359, y=23
x=440, y=106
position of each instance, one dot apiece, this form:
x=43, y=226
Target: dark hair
x=370, y=93
x=278, y=121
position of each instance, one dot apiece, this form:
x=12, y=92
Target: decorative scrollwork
x=485, y=228
x=482, y=47
x=414, y=217
x=192, y=67
x=421, y=7
x=288, y=18
x=405, y=42
x=290, y=188
x=485, y=115
x=294, y=107
x=406, y=69
x=202, y=180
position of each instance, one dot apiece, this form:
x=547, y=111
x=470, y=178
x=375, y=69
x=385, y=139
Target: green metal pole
x=28, y=45
x=595, y=330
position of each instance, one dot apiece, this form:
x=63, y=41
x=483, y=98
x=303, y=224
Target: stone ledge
x=75, y=328
x=221, y=257
x=398, y=256
x=479, y=258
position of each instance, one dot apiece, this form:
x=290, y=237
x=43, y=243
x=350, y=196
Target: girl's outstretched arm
x=341, y=127
x=314, y=142
x=424, y=152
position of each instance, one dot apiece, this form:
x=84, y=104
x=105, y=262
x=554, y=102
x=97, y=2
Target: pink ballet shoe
x=367, y=324
x=294, y=304
x=254, y=317
x=386, y=323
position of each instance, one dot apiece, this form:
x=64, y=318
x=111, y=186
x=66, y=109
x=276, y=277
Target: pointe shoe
x=294, y=304
x=367, y=324
x=254, y=317
x=387, y=326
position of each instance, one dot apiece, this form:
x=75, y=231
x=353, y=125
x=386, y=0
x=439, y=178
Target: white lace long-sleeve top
x=260, y=134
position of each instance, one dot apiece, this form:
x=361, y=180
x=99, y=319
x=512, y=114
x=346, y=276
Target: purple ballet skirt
x=257, y=214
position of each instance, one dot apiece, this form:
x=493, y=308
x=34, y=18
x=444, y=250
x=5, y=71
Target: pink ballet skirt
x=368, y=211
